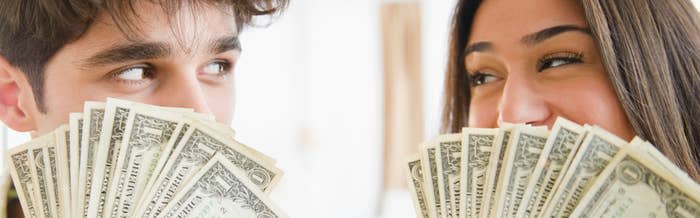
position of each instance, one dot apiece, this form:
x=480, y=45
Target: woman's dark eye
x=479, y=78
x=558, y=61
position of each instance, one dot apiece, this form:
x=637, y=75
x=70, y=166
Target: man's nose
x=521, y=103
x=185, y=90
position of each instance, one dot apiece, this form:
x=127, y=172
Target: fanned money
x=524, y=171
x=197, y=147
x=128, y=159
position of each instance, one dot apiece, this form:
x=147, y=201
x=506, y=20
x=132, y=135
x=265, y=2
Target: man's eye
x=478, y=79
x=134, y=74
x=216, y=68
x=558, y=60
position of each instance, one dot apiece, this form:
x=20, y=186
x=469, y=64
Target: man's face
x=185, y=60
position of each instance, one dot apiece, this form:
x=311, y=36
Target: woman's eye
x=558, y=61
x=216, y=68
x=478, y=79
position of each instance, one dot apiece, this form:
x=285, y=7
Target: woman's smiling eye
x=559, y=59
x=480, y=78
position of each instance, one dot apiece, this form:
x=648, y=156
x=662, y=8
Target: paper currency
x=574, y=171
x=92, y=121
x=594, y=154
x=106, y=159
x=556, y=155
x=635, y=185
x=146, y=135
x=198, y=145
x=50, y=177
x=219, y=189
x=477, y=147
x=448, y=156
x=519, y=163
x=493, y=171
x=110, y=139
x=21, y=164
x=63, y=169
x=430, y=176
x=75, y=125
x=414, y=171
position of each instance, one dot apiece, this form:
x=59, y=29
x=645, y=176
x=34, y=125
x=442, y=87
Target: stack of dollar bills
x=568, y=171
x=126, y=159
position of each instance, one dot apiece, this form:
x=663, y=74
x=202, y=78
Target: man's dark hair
x=32, y=31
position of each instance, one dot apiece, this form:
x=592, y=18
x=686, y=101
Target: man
x=54, y=55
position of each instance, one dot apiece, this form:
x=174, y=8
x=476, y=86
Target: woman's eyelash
x=567, y=57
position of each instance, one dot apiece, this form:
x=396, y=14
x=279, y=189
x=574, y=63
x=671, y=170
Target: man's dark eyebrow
x=551, y=32
x=477, y=47
x=129, y=52
x=225, y=44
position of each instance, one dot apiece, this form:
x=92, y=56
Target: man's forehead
x=187, y=30
x=150, y=22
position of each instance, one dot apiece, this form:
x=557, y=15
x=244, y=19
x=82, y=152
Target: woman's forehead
x=500, y=21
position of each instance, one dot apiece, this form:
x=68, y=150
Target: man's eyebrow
x=477, y=47
x=551, y=32
x=226, y=43
x=129, y=52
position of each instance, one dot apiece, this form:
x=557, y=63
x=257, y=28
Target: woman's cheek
x=483, y=112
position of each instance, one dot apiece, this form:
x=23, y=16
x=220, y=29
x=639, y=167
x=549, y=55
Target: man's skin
x=186, y=61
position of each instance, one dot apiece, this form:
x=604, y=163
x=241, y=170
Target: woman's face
x=532, y=61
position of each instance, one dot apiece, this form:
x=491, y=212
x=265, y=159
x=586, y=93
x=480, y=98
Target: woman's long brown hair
x=651, y=51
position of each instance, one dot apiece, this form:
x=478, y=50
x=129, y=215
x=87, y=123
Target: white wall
x=309, y=94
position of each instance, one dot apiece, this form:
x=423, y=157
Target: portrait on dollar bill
x=57, y=55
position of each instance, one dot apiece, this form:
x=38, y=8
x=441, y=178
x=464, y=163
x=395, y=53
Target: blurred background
x=340, y=93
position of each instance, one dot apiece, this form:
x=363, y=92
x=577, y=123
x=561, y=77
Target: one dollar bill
x=558, y=151
x=414, y=171
x=637, y=184
x=477, y=149
x=220, y=189
x=595, y=152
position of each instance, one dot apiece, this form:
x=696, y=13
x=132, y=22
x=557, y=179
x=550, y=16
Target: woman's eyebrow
x=477, y=47
x=128, y=52
x=550, y=32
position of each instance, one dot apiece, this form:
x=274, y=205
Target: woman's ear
x=13, y=112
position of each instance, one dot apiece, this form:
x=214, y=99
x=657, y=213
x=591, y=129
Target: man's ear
x=13, y=83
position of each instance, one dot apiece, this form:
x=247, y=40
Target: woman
x=629, y=66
